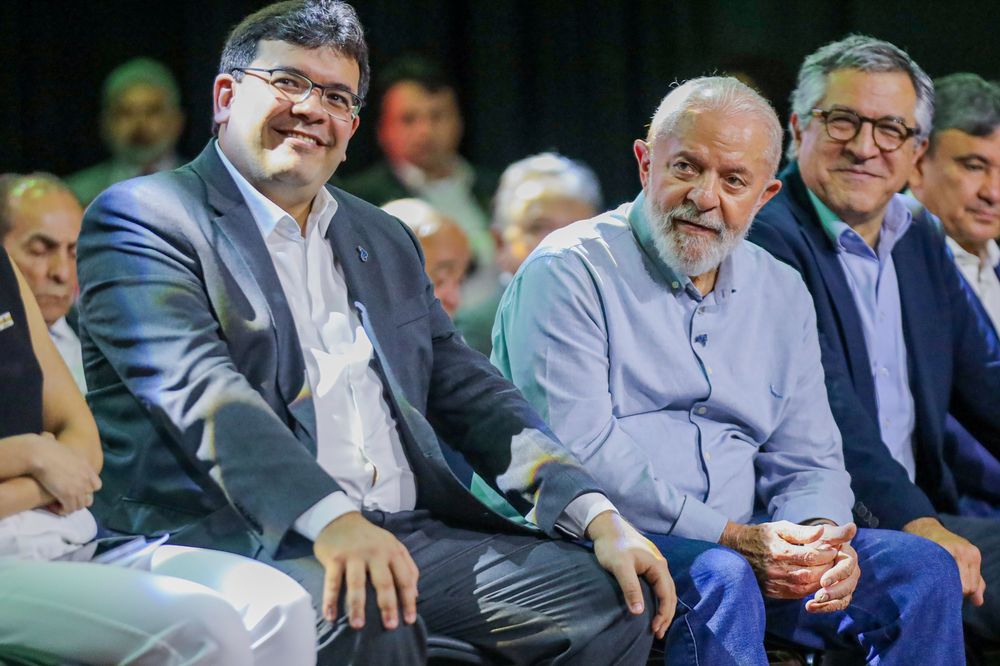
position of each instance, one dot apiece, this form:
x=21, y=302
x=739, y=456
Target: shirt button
x=675, y=284
x=708, y=457
x=883, y=371
x=701, y=310
x=701, y=410
x=708, y=369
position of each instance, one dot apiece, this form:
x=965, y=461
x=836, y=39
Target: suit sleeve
x=550, y=339
x=484, y=417
x=884, y=495
x=145, y=307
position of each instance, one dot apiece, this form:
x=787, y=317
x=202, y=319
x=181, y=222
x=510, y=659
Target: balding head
x=39, y=225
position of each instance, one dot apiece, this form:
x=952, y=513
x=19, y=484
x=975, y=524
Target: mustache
x=688, y=212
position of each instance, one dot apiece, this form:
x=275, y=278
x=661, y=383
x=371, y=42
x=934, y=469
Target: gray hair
x=865, y=54
x=16, y=184
x=542, y=176
x=966, y=102
x=717, y=93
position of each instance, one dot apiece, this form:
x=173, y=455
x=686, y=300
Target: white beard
x=688, y=254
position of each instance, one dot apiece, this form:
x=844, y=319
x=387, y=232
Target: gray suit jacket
x=196, y=375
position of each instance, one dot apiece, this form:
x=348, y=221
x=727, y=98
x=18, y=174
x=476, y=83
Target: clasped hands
x=793, y=561
x=63, y=473
x=353, y=550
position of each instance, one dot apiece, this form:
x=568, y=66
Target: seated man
x=904, y=341
x=444, y=244
x=141, y=123
x=39, y=225
x=536, y=196
x=681, y=364
x=271, y=372
x=958, y=180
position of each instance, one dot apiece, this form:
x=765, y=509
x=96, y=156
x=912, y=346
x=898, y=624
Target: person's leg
x=107, y=615
x=906, y=608
x=984, y=533
x=276, y=610
x=521, y=598
x=720, y=612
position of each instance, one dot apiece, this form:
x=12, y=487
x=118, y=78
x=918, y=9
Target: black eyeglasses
x=339, y=103
x=843, y=125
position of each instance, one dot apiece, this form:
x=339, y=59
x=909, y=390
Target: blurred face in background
x=537, y=219
x=420, y=127
x=142, y=124
x=959, y=181
x=447, y=256
x=45, y=224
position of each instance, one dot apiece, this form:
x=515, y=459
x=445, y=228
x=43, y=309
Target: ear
x=643, y=154
x=796, y=130
x=772, y=188
x=222, y=98
x=920, y=150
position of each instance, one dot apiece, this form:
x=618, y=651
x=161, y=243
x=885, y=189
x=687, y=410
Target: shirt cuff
x=322, y=513
x=577, y=515
x=698, y=521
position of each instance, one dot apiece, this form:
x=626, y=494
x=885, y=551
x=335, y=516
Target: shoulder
x=589, y=239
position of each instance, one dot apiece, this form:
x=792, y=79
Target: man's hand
x=789, y=560
x=966, y=555
x=352, y=550
x=840, y=580
x=623, y=551
x=61, y=471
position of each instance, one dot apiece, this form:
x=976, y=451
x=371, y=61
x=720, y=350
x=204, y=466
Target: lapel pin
x=6, y=321
x=362, y=253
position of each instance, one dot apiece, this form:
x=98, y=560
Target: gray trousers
x=984, y=533
x=519, y=599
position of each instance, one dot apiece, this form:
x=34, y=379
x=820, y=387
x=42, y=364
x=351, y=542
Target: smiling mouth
x=301, y=136
x=701, y=228
x=856, y=173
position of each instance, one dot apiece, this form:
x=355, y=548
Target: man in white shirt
x=39, y=225
x=271, y=374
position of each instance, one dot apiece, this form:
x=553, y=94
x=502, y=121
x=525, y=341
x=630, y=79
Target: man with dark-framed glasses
x=902, y=337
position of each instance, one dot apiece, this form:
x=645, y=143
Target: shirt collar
x=895, y=223
x=416, y=178
x=725, y=281
x=267, y=214
x=963, y=256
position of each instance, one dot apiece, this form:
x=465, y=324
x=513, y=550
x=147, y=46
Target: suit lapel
x=835, y=282
x=245, y=253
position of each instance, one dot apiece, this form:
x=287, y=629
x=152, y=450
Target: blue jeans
x=907, y=608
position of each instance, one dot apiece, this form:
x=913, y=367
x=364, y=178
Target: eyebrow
x=44, y=238
x=973, y=156
x=332, y=86
x=899, y=119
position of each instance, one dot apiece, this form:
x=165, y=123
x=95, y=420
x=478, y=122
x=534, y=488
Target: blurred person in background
x=445, y=245
x=141, y=123
x=536, y=195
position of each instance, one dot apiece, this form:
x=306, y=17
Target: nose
x=863, y=146
x=990, y=189
x=311, y=105
x=449, y=293
x=705, y=193
x=61, y=267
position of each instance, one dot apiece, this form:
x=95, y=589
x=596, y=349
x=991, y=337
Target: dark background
x=582, y=77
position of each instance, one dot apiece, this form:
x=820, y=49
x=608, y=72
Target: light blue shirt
x=871, y=276
x=686, y=409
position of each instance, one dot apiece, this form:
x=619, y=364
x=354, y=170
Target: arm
x=885, y=496
x=550, y=339
x=61, y=464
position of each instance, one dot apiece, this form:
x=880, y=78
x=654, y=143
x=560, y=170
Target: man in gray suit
x=271, y=374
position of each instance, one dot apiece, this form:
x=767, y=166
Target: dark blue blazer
x=953, y=357
x=196, y=374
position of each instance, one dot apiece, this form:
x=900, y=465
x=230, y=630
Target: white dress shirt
x=980, y=273
x=356, y=438
x=68, y=346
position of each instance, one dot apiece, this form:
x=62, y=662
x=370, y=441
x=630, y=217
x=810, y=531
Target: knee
x=722, y=577
x=932, y=568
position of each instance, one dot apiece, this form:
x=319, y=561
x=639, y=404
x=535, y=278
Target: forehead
x=409, y=96
x=324, y=65
x=141, y=94
x=723, y=140
x=874, y=94
x=52, y=211
x=955, y=142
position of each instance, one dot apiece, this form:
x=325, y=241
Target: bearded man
x=682, y=366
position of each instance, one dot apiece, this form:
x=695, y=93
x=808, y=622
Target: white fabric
x=357, y=440
x=196, y=606
x=980, y=273
x=40, y=534
x=68, y=345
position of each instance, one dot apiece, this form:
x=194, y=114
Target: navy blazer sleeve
x=885, y=495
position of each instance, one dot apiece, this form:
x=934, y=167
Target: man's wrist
x=733, y=535
x=603, y=523
x=922, y=525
